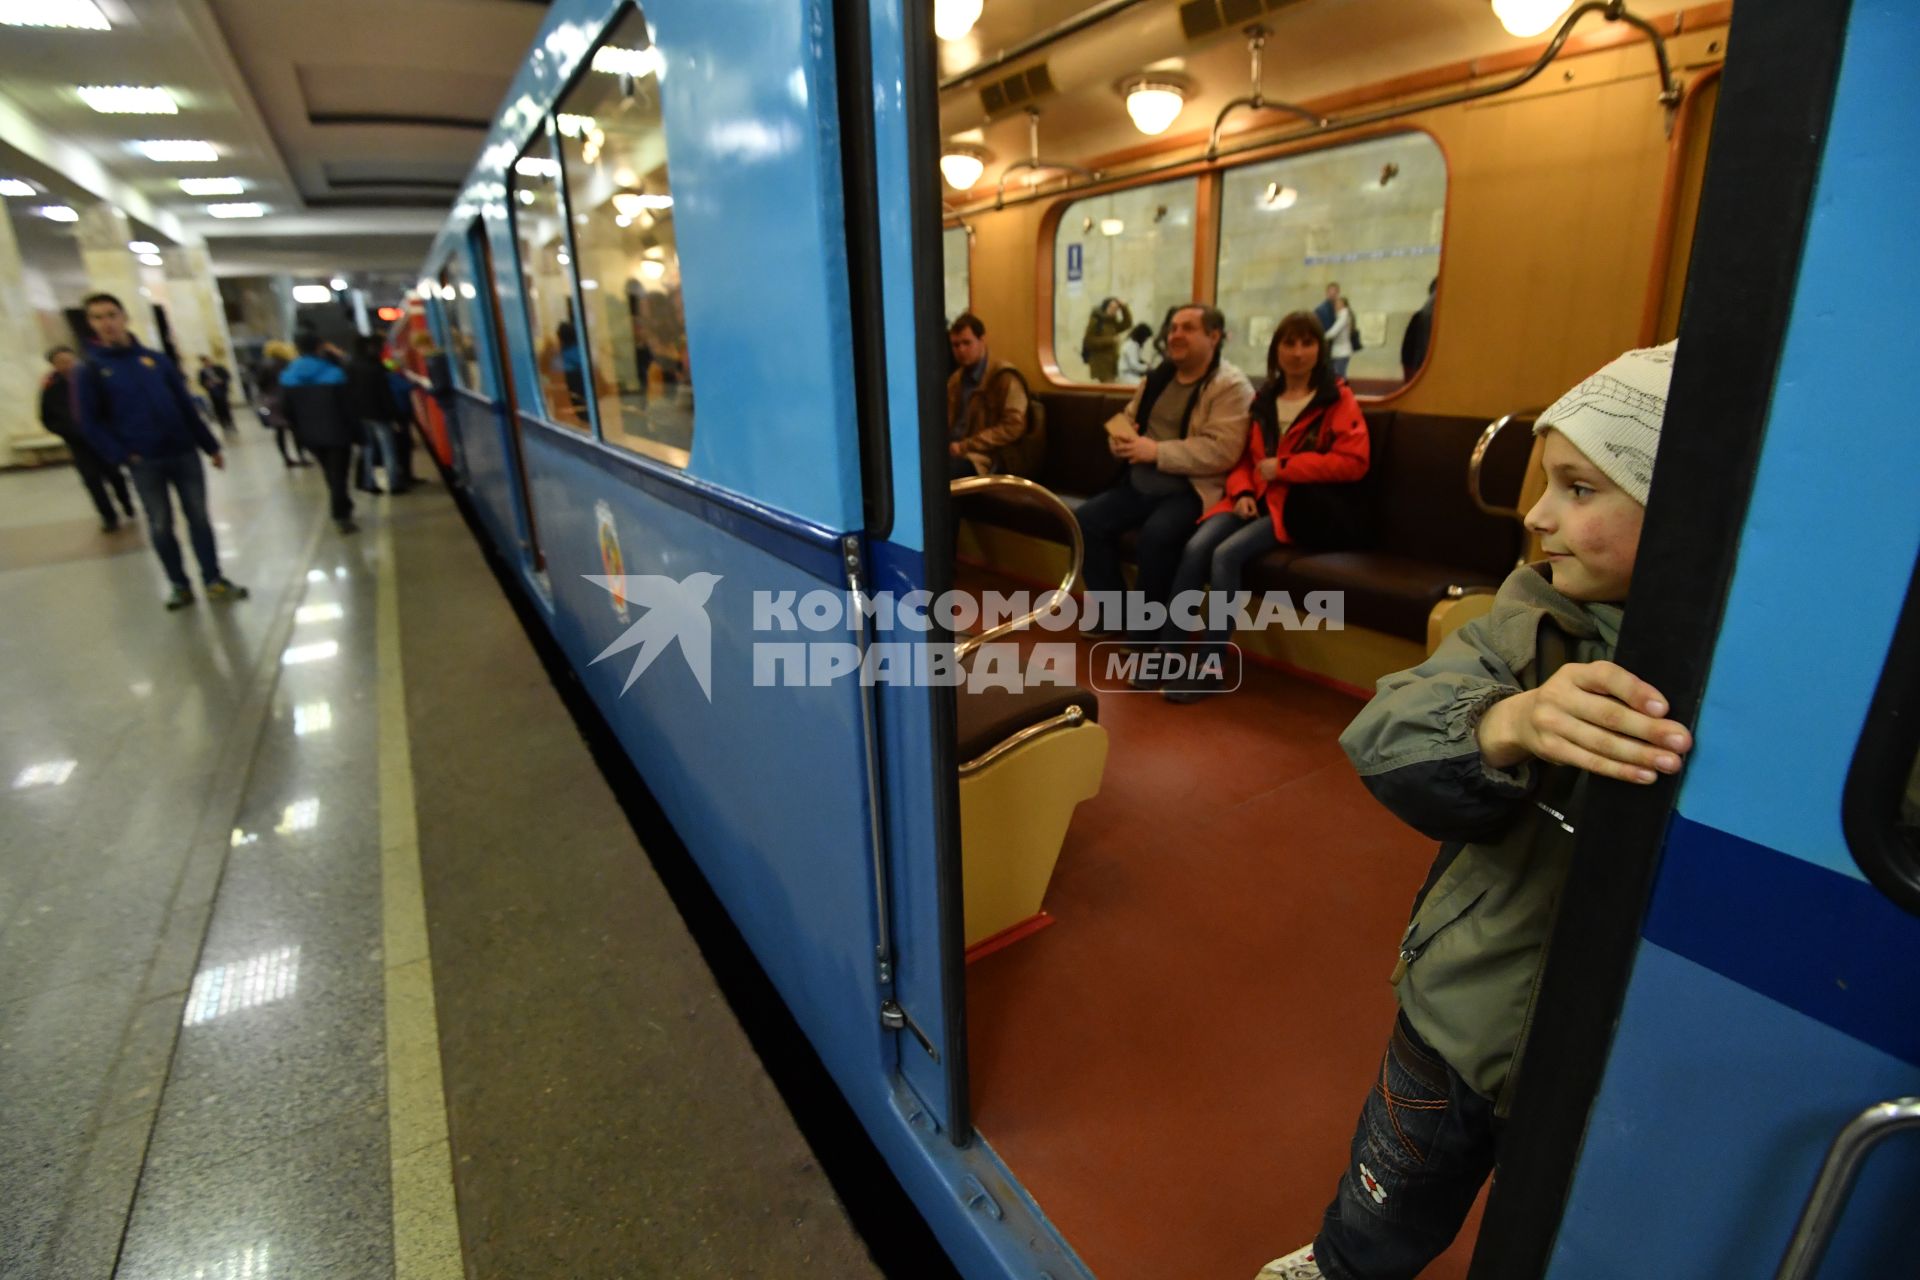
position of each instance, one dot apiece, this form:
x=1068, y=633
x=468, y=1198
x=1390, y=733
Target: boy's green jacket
x=1470, y=960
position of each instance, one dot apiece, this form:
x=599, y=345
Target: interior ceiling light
x=59, y=213
x=312, y=293
x=212, y=186
x=653, y=270
x=1528, y=17
x=1154, y=105
x=573, y=126
x=337, y=284
x=537, y=167
x=634, y=203
x=152, y=260
x=129, y=100
x=17, y=187
x=248, y=210
x=80, y=14
x=954, y=18
x=962, y=167
x=638, y=63
x=142, y=246
x=1277, y=196
x=176, y=151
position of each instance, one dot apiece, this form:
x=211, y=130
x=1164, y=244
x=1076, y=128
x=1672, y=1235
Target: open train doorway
x=1170, y=1052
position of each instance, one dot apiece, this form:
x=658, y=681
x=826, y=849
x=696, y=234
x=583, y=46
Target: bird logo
x=673, y=611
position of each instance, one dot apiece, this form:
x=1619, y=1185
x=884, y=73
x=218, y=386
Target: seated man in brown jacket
x=989, y=427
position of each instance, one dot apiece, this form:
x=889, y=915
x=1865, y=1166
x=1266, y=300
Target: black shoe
x=346, y=526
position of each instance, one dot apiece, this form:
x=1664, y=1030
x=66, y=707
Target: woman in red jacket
x=1292, y=486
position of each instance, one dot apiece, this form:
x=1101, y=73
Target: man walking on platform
x=218, y=384
x=56, y=414
x=313, y=391
x=135, y=411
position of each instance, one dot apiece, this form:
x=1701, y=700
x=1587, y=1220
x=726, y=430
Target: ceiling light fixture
x=1277, y=196
x=1528, y=17
x=312, y=294
x=245, y=210
x=652, y=270
x=152, y=260
x=962, y=166
x=954, y=18
x=1111, y=226
x=142, y=246
x=536, y=167
x=338, y=285
x=129, y=100
x=83, y=15
x=212, y=186
x=59, y=213
x=638, y=63
x=176, y=150
x=634, y=203
x=17, y=187
x=1154, y=104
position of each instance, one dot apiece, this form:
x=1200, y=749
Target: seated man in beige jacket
x=1180, y=434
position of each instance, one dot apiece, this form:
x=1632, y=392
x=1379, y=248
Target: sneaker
x=1298, y=1265
x=181, y=598
x=224, y=590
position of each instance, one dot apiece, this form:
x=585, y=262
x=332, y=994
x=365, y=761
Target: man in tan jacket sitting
x=990, y=428
x=1180, y=434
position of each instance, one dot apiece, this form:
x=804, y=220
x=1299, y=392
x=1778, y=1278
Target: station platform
x=326, y=948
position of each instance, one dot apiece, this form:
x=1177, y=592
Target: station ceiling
x=351, y=122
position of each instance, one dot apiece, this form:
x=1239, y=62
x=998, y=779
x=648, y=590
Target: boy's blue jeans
x=1424, y=1145
x=182, y=472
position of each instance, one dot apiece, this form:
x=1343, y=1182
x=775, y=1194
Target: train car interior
x=1172, y=1065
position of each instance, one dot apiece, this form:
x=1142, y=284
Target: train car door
x=1735, y=977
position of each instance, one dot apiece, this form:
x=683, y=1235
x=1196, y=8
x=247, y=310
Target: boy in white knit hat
x=1487, y=747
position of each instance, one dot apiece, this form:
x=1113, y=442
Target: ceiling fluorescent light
x=176, y=151
x=312, y=293
x=129, y=100
x=212, y=186
x=142, y=246
x=536, y=167
x=16, y=187
x=152, y=260
x=248, y=210
x=59, y=213
x=638, y=63
x=78, y=14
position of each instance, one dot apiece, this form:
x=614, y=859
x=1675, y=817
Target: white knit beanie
x=1613, y=416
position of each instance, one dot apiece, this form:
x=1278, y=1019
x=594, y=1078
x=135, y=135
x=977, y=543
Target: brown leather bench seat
x=1428, y=535
x=989, y=716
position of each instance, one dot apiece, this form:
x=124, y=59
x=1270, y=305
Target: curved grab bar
x=1480, y=448
x=1829, y=1195
x=1077, y=546
x=1258, y=103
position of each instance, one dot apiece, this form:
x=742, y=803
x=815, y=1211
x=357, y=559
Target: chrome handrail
x=1256, y=41
x=1829, y=1195
x=1076, y=544
x=1480, y=447
x=1067, y=719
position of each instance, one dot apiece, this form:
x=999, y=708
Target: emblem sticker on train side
x=611, y=562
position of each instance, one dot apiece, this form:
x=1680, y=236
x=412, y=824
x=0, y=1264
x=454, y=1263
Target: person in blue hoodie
x=136, y=412
x=315, y=398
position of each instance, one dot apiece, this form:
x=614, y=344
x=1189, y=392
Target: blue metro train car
x=737, y=205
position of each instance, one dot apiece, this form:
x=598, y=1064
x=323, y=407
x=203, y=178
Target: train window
x=956, y=249
x=1121, y=261
x=546, y=283
x=614, y=158
x=457, y=292
x=1366, y=217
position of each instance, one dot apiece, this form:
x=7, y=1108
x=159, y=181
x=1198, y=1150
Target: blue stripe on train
x=1826, y=945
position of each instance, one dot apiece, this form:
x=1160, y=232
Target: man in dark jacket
x=314, y=396
x=373, y=405
x=218, y=384
x=56, y=415
x=135, y=411
x=1413, y=347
